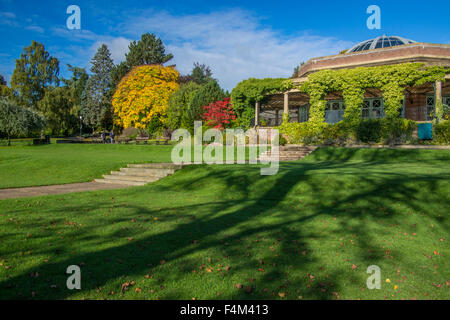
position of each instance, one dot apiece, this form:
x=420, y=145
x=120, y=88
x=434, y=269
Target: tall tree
x=96, y=97
x=201, y=73
x=58, y=108
x=35, y=70
x=148, y=50
x=179, y=102
x=76, y=85
x=208, y=93
x=142, y=96
x=5, y=91
x=16, y=120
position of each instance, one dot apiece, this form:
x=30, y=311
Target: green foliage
x=201, y=73
x=35, y=70
x=5, y=91
x=2, y=81
x=369, y=130
x=303, y=133
x=179, y=103
x=208, y=93
x=338, y=133
x=96, y=97
x=57, y=107
x=441, y=132
x=247, y=92
x=16, y=120
x=147, y=51
x=397, y=130
x=282, y=141
x=352, y=83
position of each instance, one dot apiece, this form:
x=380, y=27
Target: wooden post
x=286, y=106
x=438, y=99
x=276, y=117
x=298, y=115
x=257, y=107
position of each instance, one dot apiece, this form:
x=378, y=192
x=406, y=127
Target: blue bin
x=425, y=131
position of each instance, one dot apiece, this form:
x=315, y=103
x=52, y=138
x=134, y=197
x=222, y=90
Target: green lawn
x=310, y=231
x=24, y=166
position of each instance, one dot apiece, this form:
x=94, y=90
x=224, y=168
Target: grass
x=24, y=166
x=226, y=232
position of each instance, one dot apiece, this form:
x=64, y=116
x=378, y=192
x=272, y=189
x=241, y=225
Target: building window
x=372, y=108
x=429, y=110
x=303, y=113
x=446, y=100
x=334, y=111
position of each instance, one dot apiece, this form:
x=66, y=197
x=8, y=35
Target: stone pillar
x=438, y=99
x=286, y=105
x=257, y=107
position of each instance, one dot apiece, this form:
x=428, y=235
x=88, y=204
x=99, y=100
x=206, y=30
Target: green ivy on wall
x=392, y=80
x=247, y=92
x=352, y=83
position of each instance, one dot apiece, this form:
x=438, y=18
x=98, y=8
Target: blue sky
x=238, y=39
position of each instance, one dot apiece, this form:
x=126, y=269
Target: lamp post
x=81, y=125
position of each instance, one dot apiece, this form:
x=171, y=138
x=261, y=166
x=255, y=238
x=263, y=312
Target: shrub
x=219, y=114
x=397, y=130
x=143, y=94
x=369, y=130
x=209, y=92
x=303, y=133
x=338, y=133
x=179, y=103
x=441, y=132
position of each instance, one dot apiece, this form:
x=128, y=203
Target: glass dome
x=380, y=42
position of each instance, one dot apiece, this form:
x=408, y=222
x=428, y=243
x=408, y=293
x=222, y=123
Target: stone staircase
x=140, y=174
x=287, y=153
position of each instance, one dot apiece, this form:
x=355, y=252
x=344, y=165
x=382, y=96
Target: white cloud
x=9, y=15
x=117, y=46
x=234, y=43
x=35, y=29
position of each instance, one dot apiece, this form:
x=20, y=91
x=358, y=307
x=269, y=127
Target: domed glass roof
x=380, y=42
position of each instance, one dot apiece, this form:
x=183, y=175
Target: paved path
x=56, y=189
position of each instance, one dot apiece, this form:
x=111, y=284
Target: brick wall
x=430, y=54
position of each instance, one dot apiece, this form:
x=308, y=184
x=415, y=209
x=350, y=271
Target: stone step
x=146, y=176
x=156, y=166
x=130, y=178
x=153, y=172
x=293, y=153
x=294, y=148
x=124, y=182
x=279, y=158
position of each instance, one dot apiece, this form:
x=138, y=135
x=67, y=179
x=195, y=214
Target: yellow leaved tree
x=142, y=94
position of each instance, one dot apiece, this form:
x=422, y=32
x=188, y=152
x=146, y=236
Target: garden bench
x=123, y=140
x=162, y=141
x=143, y=139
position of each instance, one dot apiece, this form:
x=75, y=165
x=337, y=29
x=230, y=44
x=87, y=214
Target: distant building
x=419, y=101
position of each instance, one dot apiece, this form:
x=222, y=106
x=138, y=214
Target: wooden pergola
x=292, y=102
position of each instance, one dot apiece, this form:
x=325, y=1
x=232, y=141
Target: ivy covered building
x=385, y=75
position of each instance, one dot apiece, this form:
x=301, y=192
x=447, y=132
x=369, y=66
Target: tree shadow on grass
x=263, y=234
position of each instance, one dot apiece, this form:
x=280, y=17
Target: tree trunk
x=9, y=141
